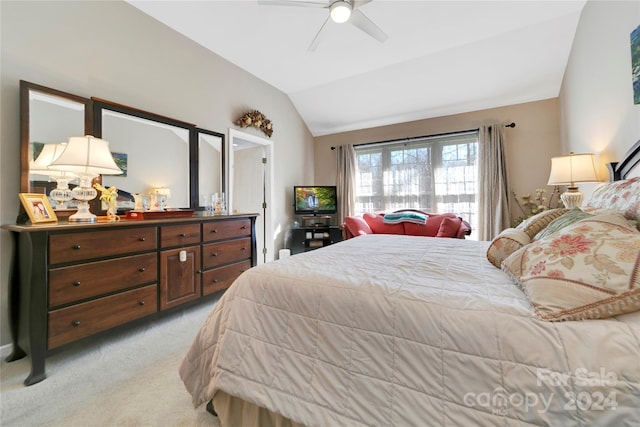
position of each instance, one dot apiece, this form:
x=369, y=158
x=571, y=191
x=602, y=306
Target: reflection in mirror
x=153, y=151
x=48, y=117
x=210, y=165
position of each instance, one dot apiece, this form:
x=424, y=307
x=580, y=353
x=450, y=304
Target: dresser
x=72, y=281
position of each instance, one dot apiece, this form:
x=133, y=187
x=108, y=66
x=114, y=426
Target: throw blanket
x=388, y=330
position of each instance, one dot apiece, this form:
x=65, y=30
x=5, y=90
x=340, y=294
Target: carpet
x=129, y=378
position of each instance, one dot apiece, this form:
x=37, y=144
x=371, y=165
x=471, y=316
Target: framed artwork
x=38, y=208
x=635, y=64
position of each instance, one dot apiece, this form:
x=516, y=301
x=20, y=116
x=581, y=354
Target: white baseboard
x=5, y=350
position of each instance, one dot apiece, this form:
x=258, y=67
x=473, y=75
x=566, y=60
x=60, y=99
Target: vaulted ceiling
x=441, y=57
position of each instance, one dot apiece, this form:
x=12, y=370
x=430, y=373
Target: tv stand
x=308, y=238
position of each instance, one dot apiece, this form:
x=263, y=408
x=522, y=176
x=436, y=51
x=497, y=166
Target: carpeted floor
x=125, y=379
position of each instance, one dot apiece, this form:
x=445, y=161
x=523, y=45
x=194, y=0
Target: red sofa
x=437, y=225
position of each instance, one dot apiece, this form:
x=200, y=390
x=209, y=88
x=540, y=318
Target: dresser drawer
x=220, y=230
x=79, y=321
x=179, y=235
x=74, y=283
x=71, y=247
x=221, y=278
x=217, y=254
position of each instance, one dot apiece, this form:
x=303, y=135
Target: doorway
x=250, y=185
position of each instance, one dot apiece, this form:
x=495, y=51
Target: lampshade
x=568, y=170
x=340, y=11
x=49, y=153
x=86, y=156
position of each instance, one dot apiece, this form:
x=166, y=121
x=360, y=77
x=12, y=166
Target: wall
x=530, y=145
x=596, y=98
x=113, y=51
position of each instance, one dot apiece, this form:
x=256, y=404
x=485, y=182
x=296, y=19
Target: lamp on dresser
x=87, y=157
x=569, y=170
x=40, y=166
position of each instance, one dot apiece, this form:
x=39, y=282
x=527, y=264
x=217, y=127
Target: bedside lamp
x=87, y=157
x=568, y=170
x=40, y=166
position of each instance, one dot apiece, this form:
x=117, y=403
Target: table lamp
x=40, y=166
x=568, y=170
x=87, y=157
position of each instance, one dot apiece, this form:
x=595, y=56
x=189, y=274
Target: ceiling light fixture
x=340, y=11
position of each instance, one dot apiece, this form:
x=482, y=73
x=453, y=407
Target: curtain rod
x=510, y=125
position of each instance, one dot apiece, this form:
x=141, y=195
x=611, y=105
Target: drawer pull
x=76, y=283
x=76, y=323
x=141, y=269
x=76, y=246
x=141, y=302
x=142, y=239
x=214, y=254
x=243, y=249
x=244, y=227
x=183, y=234
x=215, y=230
x=214, y=281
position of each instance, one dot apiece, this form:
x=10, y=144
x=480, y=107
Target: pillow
x=536, y=223
x=398, y=217
x=357, y=226
x=588, y=270
x=376, y=222
x=621, y=195
x=506, y=243
x=449, y=227
x=561, y=222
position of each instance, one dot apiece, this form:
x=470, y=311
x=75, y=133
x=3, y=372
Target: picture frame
x=38, y=208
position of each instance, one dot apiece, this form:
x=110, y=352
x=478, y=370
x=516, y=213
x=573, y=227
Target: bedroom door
x=250, y=180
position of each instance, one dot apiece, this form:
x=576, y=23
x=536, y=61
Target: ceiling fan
x=339, y=11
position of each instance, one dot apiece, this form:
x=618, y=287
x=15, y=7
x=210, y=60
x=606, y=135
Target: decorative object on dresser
x=72, y=281
x=38, y=208
x=40, y=166
x=569, y=170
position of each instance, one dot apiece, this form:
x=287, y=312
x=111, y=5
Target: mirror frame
x=25, y=115
x=101, y=104
x=223, y=157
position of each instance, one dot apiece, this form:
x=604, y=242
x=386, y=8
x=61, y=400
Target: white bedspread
x=386, y=330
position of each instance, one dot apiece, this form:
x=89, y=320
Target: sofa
x=407, y=221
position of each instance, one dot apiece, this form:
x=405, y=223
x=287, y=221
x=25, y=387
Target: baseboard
x=5, y=350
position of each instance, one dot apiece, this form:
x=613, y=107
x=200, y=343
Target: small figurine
x=109, y=196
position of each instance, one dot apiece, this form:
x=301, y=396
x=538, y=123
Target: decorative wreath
x=256, y=119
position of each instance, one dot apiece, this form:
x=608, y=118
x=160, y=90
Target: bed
x=390, y=330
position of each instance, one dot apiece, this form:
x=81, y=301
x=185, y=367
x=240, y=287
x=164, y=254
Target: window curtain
x=346, y=181
x=493, y=187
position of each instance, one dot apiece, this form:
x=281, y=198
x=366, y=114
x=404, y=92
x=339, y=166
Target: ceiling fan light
x=340, y=11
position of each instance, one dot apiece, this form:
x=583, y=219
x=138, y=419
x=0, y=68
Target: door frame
x=265, y=219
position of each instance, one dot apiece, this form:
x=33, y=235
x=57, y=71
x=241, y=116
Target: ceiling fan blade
x=309, y=3
x=360, y=3
x=316, y=40
x=365, y=24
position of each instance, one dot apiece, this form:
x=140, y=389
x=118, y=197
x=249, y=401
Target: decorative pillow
x=357, y=226
x=621, y=195
x=561, y=222
x=536, y=223
x=506, y=243
x=588, y=270
x=376, y=222
x=398, y=217
x=449, y=227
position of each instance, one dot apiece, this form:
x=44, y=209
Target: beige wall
x=598, y=113
x=112, y=50
x=530, y=145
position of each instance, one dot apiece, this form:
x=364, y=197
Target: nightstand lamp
x=87, y=157
x=40, y=166
x=569, y=170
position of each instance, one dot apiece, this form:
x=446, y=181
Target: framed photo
x=38, y=208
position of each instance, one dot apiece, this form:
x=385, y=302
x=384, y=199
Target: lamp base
x=572, y=198
x=83, y=214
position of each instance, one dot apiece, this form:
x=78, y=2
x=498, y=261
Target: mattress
x=391, y=330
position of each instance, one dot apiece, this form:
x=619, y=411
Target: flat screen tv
x=315, y=199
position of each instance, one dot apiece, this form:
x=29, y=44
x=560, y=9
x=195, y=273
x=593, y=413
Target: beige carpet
x=125, y=379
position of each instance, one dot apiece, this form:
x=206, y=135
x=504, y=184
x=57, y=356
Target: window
x=434, y=174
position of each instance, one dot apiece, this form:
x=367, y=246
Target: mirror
x=47, y=116
x=153, y=151
x=211, y=171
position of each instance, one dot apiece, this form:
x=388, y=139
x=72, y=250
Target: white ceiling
x=441, y=58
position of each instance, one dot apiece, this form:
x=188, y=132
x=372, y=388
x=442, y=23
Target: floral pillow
x=536, y=223
x=506, y=243
x=619, y=195
x=588, y=270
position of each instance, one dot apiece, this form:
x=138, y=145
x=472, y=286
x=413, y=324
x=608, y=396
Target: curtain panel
x=346, y=181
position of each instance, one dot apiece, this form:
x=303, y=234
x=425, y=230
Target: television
x=315, y=199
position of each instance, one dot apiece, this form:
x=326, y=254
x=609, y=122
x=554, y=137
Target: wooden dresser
x=72, y=281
